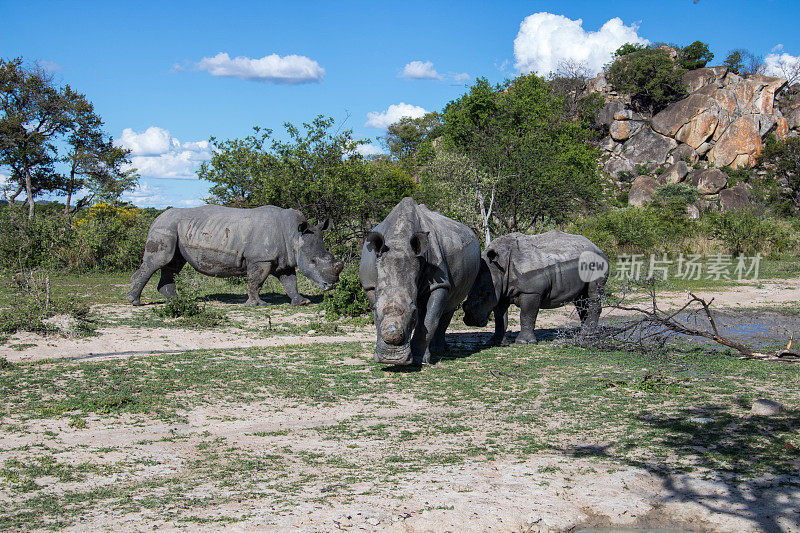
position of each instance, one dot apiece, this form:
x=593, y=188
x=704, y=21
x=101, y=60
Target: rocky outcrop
x=722, y=122
x=676, y=172
x=709, y=181
x=642, y=190
x=737, y=197
x=647, y=146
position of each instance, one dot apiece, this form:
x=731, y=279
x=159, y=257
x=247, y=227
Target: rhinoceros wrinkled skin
x=416, y=267
x=225, y=241
x=536, y=272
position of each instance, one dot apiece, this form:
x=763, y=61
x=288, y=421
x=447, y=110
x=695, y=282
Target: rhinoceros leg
x=439, y=342
x=593, y=305
x=166, y=285
x=427, y=325
x=159, y=251
x=289, y=282
x=500, y=325
x=529, y=309
x=257, y=273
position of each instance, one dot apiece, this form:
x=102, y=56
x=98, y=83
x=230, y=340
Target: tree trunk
x=29, y=190
x=70, y=185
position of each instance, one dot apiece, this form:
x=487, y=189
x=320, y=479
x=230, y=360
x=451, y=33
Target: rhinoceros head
x=399, y=265
x=485, y=293
x=314, y=261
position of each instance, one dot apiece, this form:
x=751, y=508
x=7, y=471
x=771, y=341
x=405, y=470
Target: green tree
x=410, y=140
x=781, y=160
x=650, y=76
x=629, y=48
x=527, y=149
x=695, y=55
x=316, y=170
x=734, y=62
x=743, y=62
x=33, y=113
x=95, y=164
x=239, y=170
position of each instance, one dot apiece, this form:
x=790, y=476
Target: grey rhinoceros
x=416, y=268
x=226, y=241
x=537, y=272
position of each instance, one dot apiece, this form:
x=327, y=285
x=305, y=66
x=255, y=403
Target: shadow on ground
x=272, y=298
x=723, y=444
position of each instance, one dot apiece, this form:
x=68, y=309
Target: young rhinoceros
x=537, y=272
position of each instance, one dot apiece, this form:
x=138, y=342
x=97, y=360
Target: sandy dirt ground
x=130, y=341
x=568, y=491
x=545, y=493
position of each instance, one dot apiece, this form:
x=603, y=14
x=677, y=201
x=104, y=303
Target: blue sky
x=156, y=76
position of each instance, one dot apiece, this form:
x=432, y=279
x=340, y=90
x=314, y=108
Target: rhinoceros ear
x=374, y=242
x=302, y=227
x=326, y=224
x=419, y=242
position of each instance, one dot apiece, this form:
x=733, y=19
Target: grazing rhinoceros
x=537, y=272
x=225, y=241
x=416, y=268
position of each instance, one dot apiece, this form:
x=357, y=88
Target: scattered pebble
x=764, y=407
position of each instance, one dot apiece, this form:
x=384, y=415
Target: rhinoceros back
x=457, y=253
x=218, y=240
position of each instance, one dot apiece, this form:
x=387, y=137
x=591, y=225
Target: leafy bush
x=186, y=303
x=348, y=297
x=33, y=305
x=188, y=307
x=103, y=236
x=676, y=193
x=746, y=231
x=109, y=237
x=781, y=160
x=649, y=75
x=637, y=230
x=31, y=243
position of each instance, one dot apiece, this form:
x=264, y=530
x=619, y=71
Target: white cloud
x=545, y=40
x=420, y=70
x=288, y=70
x=50, y=66
x=783, y=65
x=157, y=154
x=394, y=113
x=461, y=77
x=369, y=149
x=152, y=141
x=145, y=195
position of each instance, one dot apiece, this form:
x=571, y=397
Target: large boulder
x=675, y=115
x=699, y=78
x=642, y=190
x=648, y=146
x=709, y=181
x=740, y=145
x=620, y=130
x=764, y=89
x=605, y=115
x=684, y=152
x=692, y=120
x=617, y=165
x=737, y=197
x=676, y=172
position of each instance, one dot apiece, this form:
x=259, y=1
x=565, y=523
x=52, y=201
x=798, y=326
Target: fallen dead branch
x=650, y=326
